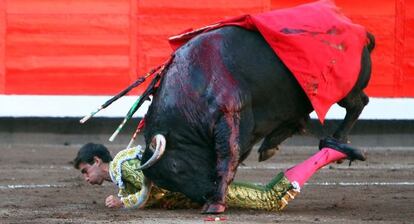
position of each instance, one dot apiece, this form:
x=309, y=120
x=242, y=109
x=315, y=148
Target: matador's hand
x=113, y=202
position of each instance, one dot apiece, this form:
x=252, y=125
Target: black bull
x=224, y=91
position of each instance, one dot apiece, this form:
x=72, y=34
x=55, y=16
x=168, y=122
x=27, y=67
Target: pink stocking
x=303, y=171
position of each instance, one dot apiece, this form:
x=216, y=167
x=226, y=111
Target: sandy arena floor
x=39, y=185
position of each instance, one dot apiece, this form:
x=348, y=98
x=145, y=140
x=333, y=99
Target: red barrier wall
x=97, y=47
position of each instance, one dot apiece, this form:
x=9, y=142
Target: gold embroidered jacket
x=273, y=196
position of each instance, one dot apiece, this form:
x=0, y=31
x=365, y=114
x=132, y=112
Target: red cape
x=319, y=45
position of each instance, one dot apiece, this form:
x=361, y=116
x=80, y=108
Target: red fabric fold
x=319, y=45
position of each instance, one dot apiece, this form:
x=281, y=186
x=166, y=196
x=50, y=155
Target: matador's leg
x=273, y=197
x=331, y=150
x=284, y=187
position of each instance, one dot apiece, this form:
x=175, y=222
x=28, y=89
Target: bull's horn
x=160, y=143
x=144, y=193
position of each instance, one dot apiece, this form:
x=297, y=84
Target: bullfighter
x=96, y=165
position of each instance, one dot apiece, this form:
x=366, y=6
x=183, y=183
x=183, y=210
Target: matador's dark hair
x=90, y=150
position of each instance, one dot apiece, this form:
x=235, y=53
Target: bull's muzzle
x=157, y=145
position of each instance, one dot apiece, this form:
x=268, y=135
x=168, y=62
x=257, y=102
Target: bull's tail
x=371, y=42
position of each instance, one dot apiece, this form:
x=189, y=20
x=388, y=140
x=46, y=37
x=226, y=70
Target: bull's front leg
x=354, y=103
x=227, y=150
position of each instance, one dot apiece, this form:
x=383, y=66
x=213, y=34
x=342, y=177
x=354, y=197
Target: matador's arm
x=160, y=198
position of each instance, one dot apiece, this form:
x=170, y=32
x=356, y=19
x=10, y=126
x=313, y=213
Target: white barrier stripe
x=66, y=106
x=362, y=184
x=30, y=186
x=79, y=106
x=378, y=108
x=334, y=167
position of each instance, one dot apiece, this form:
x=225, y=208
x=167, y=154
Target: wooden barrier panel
x=67, y=47
x=2, y=45
x=97, y=47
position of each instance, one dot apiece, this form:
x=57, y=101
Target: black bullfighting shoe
x=352, y=153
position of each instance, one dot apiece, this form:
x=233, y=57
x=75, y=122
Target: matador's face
x=92, y=174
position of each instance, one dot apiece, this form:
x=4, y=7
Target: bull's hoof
x=213, y=208
x=351, y=153
x=266, y=154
